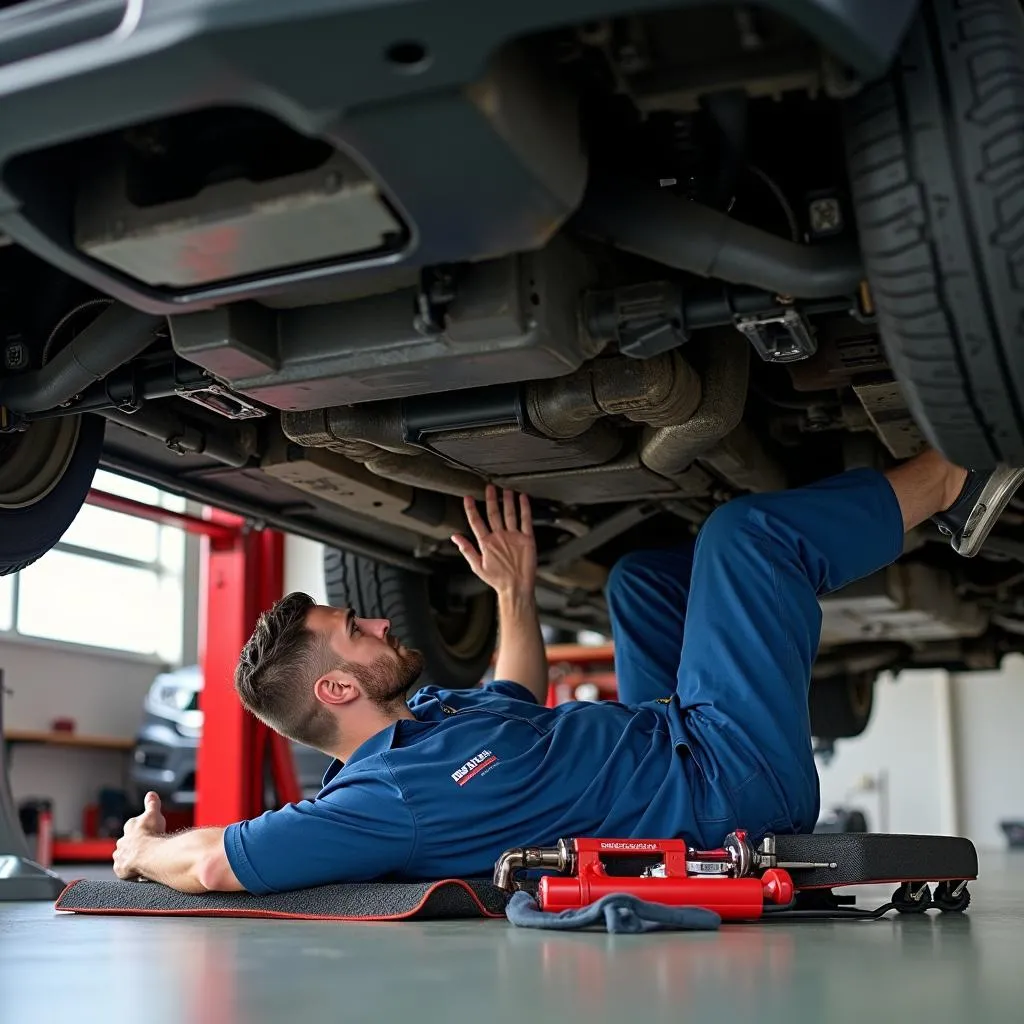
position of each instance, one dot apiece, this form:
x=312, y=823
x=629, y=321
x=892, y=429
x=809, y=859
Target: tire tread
x=937, y=204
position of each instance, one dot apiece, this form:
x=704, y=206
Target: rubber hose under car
x=689, y=236
x=117, y=335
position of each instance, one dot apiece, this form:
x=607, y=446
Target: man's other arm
x=521, y=655
x=193, y=861
x=363, y=831
x=507, y=562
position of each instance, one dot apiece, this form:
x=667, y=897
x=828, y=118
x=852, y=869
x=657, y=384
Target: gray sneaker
x=969, y=520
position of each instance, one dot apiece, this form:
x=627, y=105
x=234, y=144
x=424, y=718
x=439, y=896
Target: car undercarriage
x=334, y=266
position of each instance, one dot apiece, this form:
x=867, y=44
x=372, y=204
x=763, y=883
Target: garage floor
x=948, y=968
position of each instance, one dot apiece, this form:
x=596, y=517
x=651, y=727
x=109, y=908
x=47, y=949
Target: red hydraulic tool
x=742, y=883
x=672, y=873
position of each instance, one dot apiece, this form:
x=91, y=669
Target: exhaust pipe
x=685, y=420
x=372, y=434
x=670, y=450
x=426, y=470
x=233, y=445
x=716, y=433
x=655, y=391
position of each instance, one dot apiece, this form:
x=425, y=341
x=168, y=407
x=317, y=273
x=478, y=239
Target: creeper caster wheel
x=952, y=897
x=912, y=898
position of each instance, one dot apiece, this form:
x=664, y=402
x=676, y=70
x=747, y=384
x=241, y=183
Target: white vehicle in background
x=168, y=740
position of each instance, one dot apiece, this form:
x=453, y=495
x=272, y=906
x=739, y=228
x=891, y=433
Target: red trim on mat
x=67, y=888
x=280, y=914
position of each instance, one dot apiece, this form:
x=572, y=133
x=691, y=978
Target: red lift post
x=244, y=575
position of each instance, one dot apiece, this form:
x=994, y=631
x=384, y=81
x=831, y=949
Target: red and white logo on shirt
x=474, y=766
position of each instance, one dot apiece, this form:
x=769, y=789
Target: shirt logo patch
x=474, y=766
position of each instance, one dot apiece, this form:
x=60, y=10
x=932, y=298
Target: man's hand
x=193, y=861
x=138, y=832
x=507, y=562
x=507, y=559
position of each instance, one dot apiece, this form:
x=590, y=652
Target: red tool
x=741, y=883
x=658, y=870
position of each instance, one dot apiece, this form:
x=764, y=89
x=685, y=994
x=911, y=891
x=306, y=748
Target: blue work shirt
x=479, y=772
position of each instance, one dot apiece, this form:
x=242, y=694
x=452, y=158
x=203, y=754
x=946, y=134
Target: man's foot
x=969, y=520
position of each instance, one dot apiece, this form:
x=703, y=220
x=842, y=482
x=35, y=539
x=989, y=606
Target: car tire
x=935, y=153
x=45, y=476
x=840, y=706
x=457, y=642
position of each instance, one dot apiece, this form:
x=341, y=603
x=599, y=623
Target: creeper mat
x=354, y=901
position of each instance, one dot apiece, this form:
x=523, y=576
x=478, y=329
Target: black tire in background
x=457, y=638
x=841, y=705
x=45, y=475
x=935, y=153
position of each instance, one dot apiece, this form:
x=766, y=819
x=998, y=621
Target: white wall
x=989, y=731
x=949, y=748
x=102, y=691
x=900, y=749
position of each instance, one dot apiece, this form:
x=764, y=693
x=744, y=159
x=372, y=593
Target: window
x=112, y=581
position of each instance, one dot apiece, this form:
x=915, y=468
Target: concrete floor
x=56, y=968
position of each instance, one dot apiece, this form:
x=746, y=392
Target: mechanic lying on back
x=710, y=735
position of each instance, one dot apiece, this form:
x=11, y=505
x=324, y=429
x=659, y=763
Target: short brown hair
x=277, y=668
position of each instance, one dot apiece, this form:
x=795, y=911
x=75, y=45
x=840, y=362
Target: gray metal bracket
x=21, y=878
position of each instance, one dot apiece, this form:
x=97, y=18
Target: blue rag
x=620, y=912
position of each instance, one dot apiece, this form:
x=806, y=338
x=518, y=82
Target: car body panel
x=473, y=190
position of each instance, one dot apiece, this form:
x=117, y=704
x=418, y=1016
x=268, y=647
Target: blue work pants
x=730, y=625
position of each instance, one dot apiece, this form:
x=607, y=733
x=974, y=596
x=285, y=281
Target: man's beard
x=387, y=681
